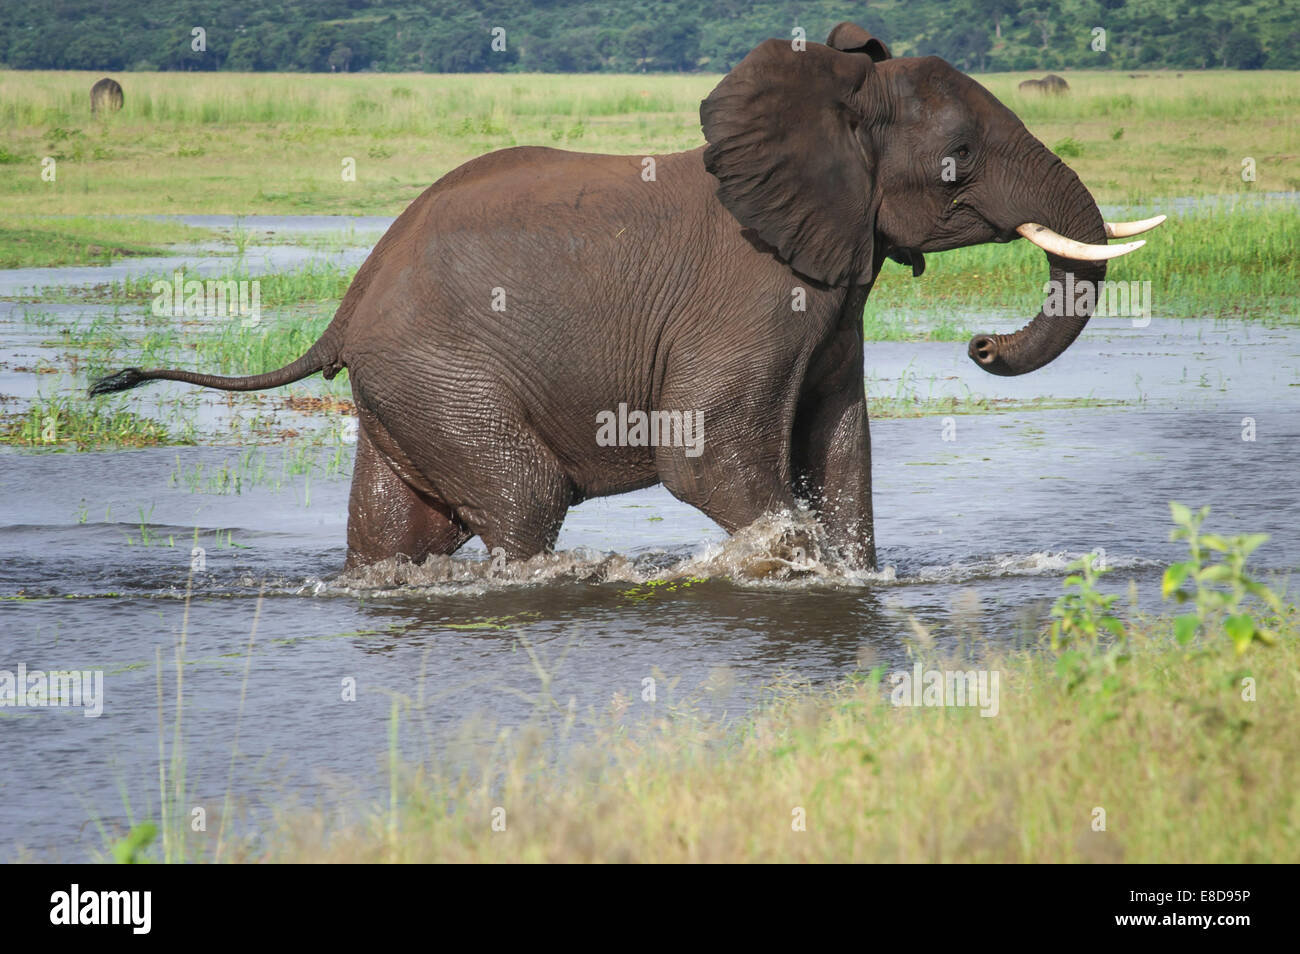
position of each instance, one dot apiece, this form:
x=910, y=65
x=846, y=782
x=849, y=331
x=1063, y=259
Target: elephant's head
x=839, y=156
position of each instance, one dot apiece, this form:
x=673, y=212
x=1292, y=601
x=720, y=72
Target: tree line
x=575, y=36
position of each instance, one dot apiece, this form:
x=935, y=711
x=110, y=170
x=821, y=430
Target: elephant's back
x=536, y=279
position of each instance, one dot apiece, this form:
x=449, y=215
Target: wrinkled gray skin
x=674, y=294
x=1051, y=83
x=106, y=96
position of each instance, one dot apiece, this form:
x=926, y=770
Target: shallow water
x=258, y=260
x=974, y=535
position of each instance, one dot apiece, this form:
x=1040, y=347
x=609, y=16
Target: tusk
x=1125, y=229
x=1050, y=241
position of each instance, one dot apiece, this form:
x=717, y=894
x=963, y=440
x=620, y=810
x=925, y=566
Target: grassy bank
x=1237, y=261
x=1109, y=735
x=1185, y=770
x=1161, y=742
x=40, y=241
x=239, y=143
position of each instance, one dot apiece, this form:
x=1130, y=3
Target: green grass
x=1235, y=262
x=125, y=332
x=1185, y=768
x=311, y=283
x=1113, y=737
x=241, y=143
x=72, y=423
x=40, y=242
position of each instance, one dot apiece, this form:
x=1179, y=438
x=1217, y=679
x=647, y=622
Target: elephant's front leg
x=832, y=461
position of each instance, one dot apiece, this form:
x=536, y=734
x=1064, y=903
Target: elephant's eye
x=963, y=152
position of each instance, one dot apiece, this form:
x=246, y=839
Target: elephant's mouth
x=910, y=257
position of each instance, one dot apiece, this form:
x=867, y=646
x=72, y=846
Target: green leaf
x=1251, y=542
x=1215, y=542
x=1174, y=577
x=1185, y=628
x=1241, y=630
x=1218, y=573
x=1181, y=514
x=129, y=850
x=1264, y=593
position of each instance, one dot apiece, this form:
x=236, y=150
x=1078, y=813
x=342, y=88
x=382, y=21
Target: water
x=30, y=282
x=974, y=536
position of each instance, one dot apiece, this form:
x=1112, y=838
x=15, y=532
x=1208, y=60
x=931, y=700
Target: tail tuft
x=122, y=381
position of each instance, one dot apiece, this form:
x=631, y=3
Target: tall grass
x=1136, y=740
x=420, y=102
x=274, y=142
x=1234, y=261
x=1184, y=766
x=71, y=423
x=388, y=102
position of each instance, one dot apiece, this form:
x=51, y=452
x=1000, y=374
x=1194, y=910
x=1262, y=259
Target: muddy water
x=974, y=534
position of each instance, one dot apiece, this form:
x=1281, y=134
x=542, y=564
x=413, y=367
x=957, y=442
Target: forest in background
x=624, y=36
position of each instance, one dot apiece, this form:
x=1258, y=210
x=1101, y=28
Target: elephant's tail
x=325, y=355
x=320, y=356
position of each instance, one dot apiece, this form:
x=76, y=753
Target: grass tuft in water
x=62, y=423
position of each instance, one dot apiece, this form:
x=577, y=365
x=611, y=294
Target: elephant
x=509, y=336
x=1051, y=83
x=106, y=96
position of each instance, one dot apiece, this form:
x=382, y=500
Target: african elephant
x=1051, y=83
x=531, y=296
x=106, y=96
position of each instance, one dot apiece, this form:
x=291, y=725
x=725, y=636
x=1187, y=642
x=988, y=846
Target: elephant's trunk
x=1072, y=294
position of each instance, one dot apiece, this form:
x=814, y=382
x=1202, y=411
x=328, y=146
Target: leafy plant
x=1083, y=620
x=130, y=848
x=1214, y=580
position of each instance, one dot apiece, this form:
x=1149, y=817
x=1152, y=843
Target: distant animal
x=1051, y=83
x=106, y=96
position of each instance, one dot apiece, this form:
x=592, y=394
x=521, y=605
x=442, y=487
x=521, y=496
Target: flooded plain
x=109, y=558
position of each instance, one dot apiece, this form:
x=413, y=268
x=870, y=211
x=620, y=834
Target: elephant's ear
x=782, y=133
x=850, y=38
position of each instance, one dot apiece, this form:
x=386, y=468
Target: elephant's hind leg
x=518, y=504
x=387, y=517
